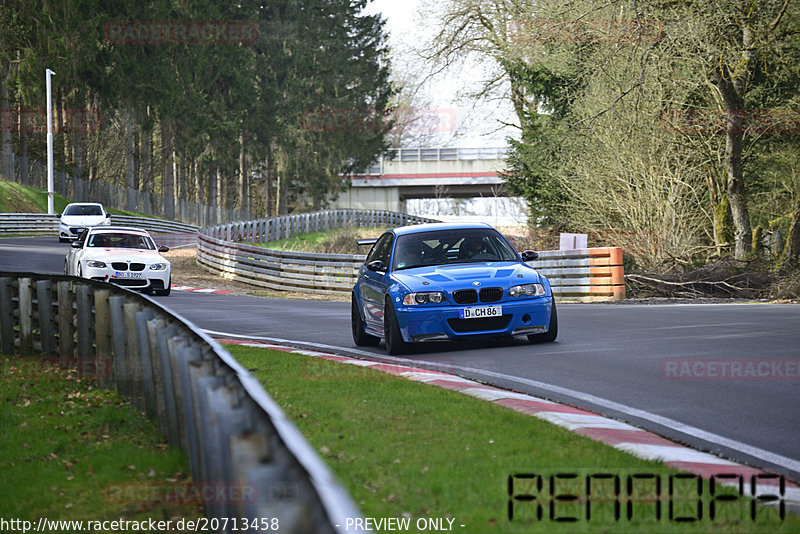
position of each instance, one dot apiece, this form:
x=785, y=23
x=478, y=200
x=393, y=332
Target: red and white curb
x=176, y=287
x=622, y=436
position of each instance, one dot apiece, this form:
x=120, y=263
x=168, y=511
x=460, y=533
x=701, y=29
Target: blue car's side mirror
x=529, y=255
x=376, y=265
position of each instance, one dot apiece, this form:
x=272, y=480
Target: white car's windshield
x=451, y=246
x=83, y=210
x=121, y=240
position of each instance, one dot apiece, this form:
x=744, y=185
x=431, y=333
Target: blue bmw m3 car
x=446, y=282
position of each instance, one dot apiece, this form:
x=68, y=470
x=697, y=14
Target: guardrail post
x=47, y=333
x=119, y=340
x=170, y=406
x=154, y=326
x=102, y=338
x=85, y=351
x=143, y=343
x=133, y=355
x=25, y=317
x=66, y=320
x=199, y=372
x=7, y=344
x=180, y=354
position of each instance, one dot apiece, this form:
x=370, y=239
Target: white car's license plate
x=477, y=313
x=127, y=274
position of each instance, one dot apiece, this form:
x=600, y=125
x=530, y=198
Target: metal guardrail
x=45, y=224
x=593, y=274
x=235, y=436
x=220, y=250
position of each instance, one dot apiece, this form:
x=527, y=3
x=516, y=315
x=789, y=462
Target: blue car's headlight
x=526, y=290
x=96, y=264
x=414, y=299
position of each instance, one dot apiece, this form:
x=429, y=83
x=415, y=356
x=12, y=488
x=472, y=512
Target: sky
x=410, y=23
x=476, y=127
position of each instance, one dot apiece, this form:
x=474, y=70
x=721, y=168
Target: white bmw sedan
x=123, y=256
x=79, y=216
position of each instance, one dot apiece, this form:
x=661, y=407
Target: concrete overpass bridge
x=409, y=173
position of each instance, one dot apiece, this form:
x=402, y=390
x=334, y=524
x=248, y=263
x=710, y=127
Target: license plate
x=478, y=313
x=127, y=274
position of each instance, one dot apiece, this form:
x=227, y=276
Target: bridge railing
x=434, y=154
x=238, y=441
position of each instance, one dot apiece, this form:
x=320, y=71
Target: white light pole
x=50, y=192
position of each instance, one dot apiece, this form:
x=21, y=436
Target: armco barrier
x=45, y=224
x=587, y=274
x=593, y=274
x=236, y=438
x=219, y=250
x=286, y=226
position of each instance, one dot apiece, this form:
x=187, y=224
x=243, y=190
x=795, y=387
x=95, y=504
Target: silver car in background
x=78, y=216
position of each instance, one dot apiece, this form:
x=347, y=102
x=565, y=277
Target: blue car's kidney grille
x=465, y=296
x=479, y=325
x=491, y=294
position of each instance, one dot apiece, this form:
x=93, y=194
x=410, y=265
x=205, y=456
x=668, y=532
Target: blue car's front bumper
x=520, y=317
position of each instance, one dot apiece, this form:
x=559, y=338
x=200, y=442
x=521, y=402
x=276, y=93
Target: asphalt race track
x=645, y=364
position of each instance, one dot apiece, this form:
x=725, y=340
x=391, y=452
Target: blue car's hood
x=461, y=275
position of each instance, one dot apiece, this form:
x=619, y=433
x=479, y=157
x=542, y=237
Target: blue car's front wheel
x=391, y=330
x=360, y=338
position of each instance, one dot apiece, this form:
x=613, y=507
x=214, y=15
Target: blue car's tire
x=360, y=338
x=552, y=331
x=391, y=331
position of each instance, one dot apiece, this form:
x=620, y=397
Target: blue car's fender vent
x=479, y=325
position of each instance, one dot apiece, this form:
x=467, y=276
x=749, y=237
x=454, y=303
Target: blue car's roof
x=428, y=227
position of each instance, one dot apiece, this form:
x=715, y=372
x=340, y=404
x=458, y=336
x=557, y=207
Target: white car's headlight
x=413, y=299
x=527, y=290
x=96, y=264
x=158, y=267
x=106, y=222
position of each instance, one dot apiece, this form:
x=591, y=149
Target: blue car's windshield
x=451, y=246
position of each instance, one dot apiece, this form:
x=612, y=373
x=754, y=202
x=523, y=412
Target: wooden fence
x=235, y=436
x=587, y=274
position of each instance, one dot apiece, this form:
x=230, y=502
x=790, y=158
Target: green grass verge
x=336, y=241
x=70, y=450
x=299, y=242
x=17, y=198
x=405, y=449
